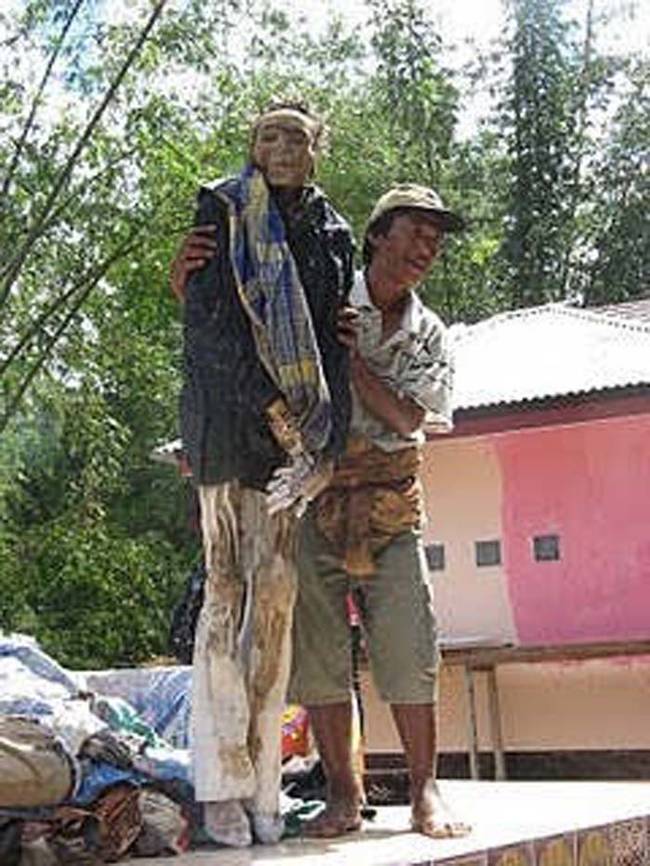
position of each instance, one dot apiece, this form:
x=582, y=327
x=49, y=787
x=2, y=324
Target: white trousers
x=242, y=650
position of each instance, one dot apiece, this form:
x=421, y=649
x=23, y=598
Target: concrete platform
x=514, y=824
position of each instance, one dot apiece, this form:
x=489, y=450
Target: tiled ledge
x=514, y=824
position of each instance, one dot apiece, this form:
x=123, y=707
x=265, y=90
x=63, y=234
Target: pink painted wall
x=590, y=484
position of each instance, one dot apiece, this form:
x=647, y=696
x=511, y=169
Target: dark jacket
x=226, y=390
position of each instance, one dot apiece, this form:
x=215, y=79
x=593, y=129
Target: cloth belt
x=374, y=495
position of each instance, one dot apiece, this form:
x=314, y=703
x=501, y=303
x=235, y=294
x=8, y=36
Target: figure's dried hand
x=297, y=484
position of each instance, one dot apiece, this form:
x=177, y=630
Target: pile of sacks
x=83, y=779
x=95, y=765
x=123, y=819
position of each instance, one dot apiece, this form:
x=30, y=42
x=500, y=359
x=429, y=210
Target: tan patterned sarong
x=374, y=495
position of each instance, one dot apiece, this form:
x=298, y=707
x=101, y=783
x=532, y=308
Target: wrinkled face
x=407, y=252
x=283, y=148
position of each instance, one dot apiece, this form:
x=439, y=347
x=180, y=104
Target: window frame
x=538, y=541
x=480, y=550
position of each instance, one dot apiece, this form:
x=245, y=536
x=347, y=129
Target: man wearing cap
x=363, y=533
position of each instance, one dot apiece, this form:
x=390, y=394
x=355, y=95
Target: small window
x=488, y=552
x=546, y=548
x=435, y=557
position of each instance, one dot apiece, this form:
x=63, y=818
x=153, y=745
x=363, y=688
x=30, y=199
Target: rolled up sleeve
x=427, y=377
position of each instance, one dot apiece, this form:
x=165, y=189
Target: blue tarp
x=160, y=696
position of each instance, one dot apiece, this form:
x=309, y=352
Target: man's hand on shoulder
x=198, y=247
x=347, y=327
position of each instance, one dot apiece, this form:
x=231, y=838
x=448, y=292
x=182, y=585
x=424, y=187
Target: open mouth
x=417, y=266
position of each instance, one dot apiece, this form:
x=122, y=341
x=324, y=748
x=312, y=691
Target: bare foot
x=336, y=819
x=431, y=816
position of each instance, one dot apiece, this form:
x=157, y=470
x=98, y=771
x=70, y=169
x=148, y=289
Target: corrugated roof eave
x=534, y=400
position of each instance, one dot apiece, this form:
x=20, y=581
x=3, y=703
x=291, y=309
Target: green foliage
x=94, y=541
x=619, y=266
x=107, y=596
x=416, y=95
x=541, y=122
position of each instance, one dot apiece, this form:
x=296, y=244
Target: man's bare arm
x=401, y=414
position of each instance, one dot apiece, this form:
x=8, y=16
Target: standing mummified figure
x=264, y=410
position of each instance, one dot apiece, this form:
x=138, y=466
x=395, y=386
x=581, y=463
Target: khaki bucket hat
x=414, y=196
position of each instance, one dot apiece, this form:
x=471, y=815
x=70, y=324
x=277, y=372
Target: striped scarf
x=272, y=295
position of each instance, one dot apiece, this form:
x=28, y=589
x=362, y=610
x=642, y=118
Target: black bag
x=185, y=616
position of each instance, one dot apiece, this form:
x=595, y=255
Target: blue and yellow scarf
x=272, y=295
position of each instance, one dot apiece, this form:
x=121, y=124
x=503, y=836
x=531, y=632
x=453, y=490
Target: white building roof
x=550, y=351
x=168, y=452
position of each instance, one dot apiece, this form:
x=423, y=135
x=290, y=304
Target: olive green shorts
x=396, y=608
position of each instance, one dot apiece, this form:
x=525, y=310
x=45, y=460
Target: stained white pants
x=242, y=649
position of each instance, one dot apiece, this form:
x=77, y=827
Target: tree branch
x=89, y=182
x=38, y=324
x=13, y=269
x=16, y=398
x=37, y=99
